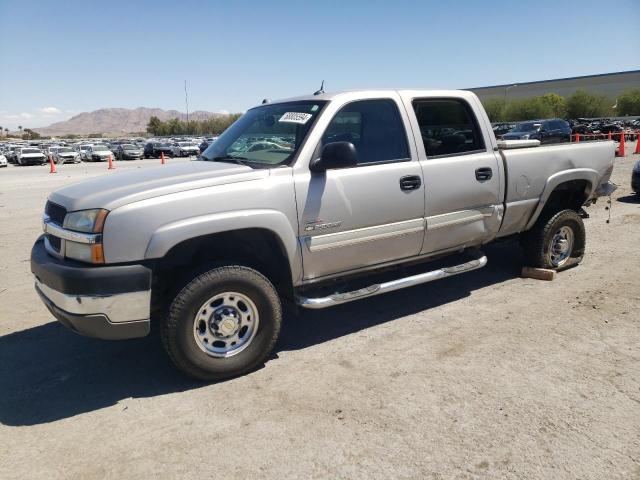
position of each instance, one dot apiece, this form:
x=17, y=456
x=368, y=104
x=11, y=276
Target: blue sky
x=61, y=58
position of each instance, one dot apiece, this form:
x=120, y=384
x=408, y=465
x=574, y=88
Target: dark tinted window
x=374, y=127
x=448, y=127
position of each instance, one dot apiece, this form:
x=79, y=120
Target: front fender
x=171, y=234
x=587, y=174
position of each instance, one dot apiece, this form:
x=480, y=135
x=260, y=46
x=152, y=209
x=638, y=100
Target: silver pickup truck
x=318, y=200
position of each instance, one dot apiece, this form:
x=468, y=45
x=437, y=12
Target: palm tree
x=1, y=130
x=6, y=132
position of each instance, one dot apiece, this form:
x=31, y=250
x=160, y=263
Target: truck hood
x=114, y=190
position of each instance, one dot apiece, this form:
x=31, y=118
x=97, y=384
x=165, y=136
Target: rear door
x=462, y=172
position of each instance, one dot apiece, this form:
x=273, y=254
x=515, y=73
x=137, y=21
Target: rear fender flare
x=587, y=174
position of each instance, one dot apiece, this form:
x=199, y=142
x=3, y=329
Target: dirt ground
x=485, y=375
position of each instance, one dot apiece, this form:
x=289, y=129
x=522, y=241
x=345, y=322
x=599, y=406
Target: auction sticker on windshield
x=295, y=117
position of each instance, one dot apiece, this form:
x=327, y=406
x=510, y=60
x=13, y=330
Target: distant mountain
x=117, y=121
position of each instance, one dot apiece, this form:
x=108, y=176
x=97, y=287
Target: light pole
x=506, y=89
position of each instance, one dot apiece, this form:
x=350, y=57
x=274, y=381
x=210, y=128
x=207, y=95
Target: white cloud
x=35, y=118
x=16, y=116
x=50, y=111
x=223, y=112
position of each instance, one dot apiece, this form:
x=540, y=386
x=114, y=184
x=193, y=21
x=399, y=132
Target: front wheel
x=223, y=323
x=556, y=241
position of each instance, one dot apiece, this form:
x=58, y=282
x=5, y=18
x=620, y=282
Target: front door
x=368, y=214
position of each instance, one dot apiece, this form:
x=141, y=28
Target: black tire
x=177, y=327
x=538, y=241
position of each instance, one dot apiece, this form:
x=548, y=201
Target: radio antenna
x=318, y=92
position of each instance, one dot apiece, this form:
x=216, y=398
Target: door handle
x=410, y=182
x=483, y=174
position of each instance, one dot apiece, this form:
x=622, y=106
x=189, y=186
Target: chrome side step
x=377, y=289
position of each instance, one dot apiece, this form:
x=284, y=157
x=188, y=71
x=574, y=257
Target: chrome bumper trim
x=121, y=307
x=57, y=231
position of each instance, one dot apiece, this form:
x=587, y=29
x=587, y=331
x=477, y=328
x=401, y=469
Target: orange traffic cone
x=609, y=136
x=637, y=144
x=52, y=166
x=161, y=158
x=620, y=151
x=111, y=165
x=577, y=138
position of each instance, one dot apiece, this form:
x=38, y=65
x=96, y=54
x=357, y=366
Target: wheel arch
x=261, y=240
x=568, y=189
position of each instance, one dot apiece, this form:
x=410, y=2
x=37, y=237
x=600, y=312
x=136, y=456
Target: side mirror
x=335, y=155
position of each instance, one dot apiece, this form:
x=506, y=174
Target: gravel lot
x=486, y=375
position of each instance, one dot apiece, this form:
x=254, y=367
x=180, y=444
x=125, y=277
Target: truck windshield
x=267, y=135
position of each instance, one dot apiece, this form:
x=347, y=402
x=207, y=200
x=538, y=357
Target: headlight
x=525, y=137
x=87, y=221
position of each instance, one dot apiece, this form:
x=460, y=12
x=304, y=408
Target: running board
x=377, y=289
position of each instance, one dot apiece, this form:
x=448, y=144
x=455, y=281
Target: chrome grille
x=55, y=212
x=55, y=242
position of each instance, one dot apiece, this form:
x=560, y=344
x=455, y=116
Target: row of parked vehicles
x=37, y=153
x=557, y=130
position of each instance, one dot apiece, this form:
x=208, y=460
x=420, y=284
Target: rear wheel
x=556, y=241
x=223, y=323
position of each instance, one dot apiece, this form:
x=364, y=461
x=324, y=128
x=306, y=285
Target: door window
x=447, y=127
x=375, y=129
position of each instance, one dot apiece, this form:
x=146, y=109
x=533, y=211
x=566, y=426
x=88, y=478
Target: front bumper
x=110, y=302
x=33, y=160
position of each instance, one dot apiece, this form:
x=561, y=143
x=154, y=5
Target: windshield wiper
x=234, y=159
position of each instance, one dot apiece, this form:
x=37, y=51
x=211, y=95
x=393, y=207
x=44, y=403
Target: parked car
x=154, y=149
x=3, y=161
x=554, y=130
x=30, y=156
x=338, y=215
x=12, y=153
x=85, y=152
x=129, y=151
x=205, y=143
x=500, y=129
x=184, y=149
x=66, y=155
x=635, y=178
x=99, y=153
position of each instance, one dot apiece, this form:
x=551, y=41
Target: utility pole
x=186, y=102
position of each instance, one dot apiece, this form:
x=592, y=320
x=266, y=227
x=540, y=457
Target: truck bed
x=532, y=173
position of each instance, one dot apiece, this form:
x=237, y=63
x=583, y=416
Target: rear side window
x=447, y=127
x=374, y=127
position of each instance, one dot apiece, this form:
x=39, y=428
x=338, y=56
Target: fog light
x=84, y=252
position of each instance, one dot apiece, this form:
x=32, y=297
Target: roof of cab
x=327, y=96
